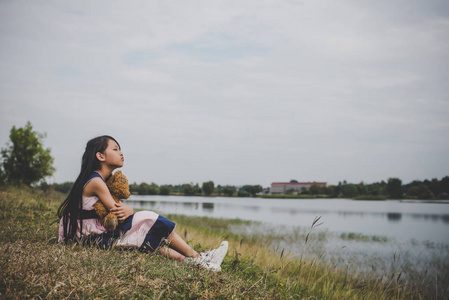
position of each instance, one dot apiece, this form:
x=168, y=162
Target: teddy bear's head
x=118, y=186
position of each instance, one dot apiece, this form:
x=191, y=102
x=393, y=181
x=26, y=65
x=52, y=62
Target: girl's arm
x=122, y=211
x=97, y=187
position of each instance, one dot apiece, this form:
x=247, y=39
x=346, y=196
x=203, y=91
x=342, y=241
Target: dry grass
x=301, y=277
x=33, y=265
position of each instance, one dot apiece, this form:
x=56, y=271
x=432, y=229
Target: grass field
x=34, y=265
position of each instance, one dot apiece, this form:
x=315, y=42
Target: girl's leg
x=170, y=253
x=178, y=244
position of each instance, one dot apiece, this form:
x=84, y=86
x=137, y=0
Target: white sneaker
x=204, y=262
x=211, y=259
x=216, y=256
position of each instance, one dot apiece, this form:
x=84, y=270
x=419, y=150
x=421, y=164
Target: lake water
x=370, y=238
x=402, y=221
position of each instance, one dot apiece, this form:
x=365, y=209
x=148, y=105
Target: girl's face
x=113, y=155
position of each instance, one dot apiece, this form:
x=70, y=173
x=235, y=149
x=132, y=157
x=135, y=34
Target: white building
x=283, y=187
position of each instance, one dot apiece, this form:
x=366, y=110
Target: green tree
x=255, y=189
x=435, y=187
x=228, y=191
x=143, y=188
x=338, y=190
x=350, y=190
x=329, y=190
x=394, y=188
x=188, y=190
x=197, y=189
x=134, y=188
x=219, y=189
x=208, y=188
x=177, y=189
x=421, y=191
x=244, y=191
x=373, y=189
x=445, y=184
x=164, y=190
x=63, y=187
x=315, y=189
x=26, y=161
x=361, y=188
x=2, y=177
x=153, y=189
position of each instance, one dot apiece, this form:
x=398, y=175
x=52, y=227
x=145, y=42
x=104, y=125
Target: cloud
x=236, y=92
x=146, y=76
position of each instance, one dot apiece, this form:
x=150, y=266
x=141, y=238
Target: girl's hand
x=122, y=211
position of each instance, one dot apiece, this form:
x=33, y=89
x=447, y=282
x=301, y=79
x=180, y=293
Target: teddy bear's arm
x=110, y=222
x=107, y=220
x=100, y=209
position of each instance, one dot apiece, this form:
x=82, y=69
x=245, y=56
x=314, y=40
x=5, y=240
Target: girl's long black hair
x=71, y=208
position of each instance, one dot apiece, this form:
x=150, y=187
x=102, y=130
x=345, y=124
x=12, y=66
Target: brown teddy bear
x=119, y=188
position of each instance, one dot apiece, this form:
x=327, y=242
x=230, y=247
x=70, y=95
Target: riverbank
x=33, y=265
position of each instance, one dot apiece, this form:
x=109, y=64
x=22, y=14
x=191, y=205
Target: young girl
x=145, y=230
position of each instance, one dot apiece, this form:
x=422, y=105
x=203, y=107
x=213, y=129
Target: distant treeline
x=390, y=189
x=188, y=189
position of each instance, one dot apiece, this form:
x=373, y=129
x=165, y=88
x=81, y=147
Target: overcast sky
x=238, y=92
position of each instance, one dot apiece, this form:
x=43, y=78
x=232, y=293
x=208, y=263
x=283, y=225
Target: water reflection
x=420, y=221
x=446, y=219
x=432, y=217
x=190, y=205
x=208, y=206
x=294, y=211
x=395, y=217
x=251, y=207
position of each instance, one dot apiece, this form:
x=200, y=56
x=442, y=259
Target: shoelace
x=210, y=256
x=210, y=253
